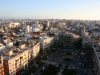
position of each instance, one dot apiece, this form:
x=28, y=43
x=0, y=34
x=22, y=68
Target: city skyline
x=47, y=9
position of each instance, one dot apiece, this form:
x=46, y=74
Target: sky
x=48, y=9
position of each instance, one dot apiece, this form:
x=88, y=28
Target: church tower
x=83, y=31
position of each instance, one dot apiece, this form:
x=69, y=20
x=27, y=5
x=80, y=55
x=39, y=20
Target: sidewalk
x=60, y=73
x=38, y=71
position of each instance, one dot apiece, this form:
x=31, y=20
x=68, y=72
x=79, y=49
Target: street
x=55, y=58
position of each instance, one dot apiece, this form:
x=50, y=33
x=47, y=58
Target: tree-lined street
x=52, y=55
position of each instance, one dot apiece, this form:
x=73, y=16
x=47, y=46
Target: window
x=3, y=73
x=11, y=72
x=2, y=69
x=13, y=65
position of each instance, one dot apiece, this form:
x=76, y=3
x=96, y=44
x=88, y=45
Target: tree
x=78, y=43
x=50, y=70
x=56, y=45
x=59, y=65
x=44, y=53
x=68, y=53
x=88, y=53
x=47, y=50
x=69, y=72
x=38, y=59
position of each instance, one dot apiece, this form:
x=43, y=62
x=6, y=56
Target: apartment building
x=61, y=25
x=94, y=42
x=1, y=66
x=56, y=36
x=34, y=49
x=96, y=47
x=15, y=59
x=69, y=38
x=46, y=41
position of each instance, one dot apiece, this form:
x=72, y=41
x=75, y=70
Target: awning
x=18, y=72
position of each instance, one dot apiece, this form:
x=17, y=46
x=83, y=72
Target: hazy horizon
x=48, y=9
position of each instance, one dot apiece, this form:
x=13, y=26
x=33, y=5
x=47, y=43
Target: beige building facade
x=46, y=42
x=15, y=60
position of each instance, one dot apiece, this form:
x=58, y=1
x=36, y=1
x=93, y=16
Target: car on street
x=37, y=74
x=82, y=64
x=43, y=68
x=85, y=72
x=82, y=53
x=71, y=67
x=79, y=63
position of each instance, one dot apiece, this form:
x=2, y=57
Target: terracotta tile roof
x=9, y=35
x=42, y=32
x=7, y=51
x=16, y=51
x=32, y=34
x=36, y=33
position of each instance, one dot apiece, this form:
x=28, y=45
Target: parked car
x=82, y=53
x=85, y=72
x=71, y=67
x=79, y=63
x=43, y=68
